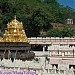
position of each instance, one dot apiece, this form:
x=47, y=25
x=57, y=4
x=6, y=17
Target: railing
x=48, y=40
x=59, y=72
x=41, y=53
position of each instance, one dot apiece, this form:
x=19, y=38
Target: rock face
x=14, y=43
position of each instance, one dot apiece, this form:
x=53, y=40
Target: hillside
x=36, y=15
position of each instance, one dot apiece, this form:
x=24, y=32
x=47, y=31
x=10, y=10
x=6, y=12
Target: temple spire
x=15, y=17
x=15, y=32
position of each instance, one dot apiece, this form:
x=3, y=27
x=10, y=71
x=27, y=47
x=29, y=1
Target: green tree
x=54, y=33
x=38, y=21
x=66, y=32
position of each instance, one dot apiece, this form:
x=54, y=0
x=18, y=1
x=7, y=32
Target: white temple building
x=58, y=60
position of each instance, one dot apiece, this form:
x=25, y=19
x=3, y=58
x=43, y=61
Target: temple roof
x=15, y=32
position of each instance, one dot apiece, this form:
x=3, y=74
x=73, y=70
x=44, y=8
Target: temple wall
x=41, y=68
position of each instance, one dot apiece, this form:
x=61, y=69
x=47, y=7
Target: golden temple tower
x=14, y=32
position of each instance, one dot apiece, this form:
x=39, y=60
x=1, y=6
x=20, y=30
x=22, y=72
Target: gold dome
x=15, y=32
x=15, y=24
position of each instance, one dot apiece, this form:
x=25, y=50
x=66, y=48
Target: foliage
x=39, y=20
x=66, y=32
x=36, y=15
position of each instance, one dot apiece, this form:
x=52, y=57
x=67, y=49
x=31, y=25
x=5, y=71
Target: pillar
x=44, y=48
x=4, y=53
x=16, y=54
x=49, y=51
x=8, y=54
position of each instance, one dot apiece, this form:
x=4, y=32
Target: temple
x=14, y=43
x=50, y=55
x=14, y=32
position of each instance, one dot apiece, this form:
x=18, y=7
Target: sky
x=70, y=3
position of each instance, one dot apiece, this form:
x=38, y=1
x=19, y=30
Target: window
x=60, y=53
x=66, y=53
x=55, y=65
x=71, y=66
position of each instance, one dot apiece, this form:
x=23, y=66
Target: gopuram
x=14, y=44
